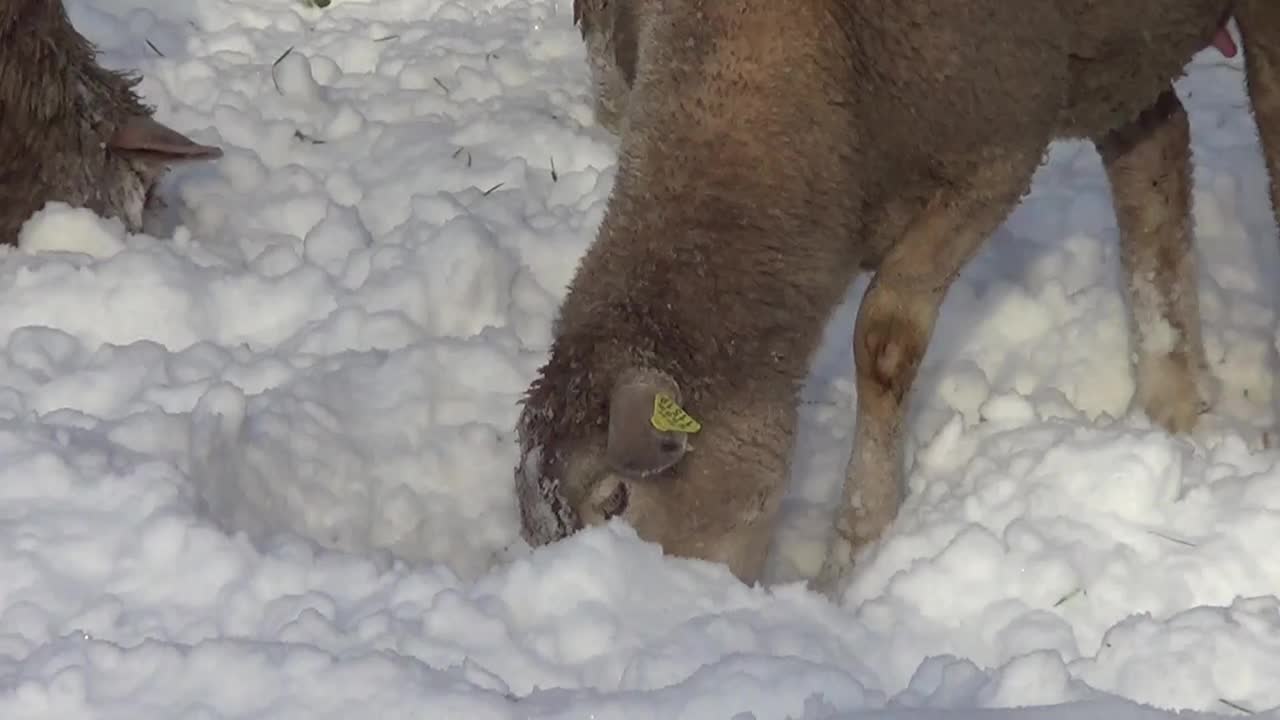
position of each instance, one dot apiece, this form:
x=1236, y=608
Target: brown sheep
x=770, y=151
x=71, y=130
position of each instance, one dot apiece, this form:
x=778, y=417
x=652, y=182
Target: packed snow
x=257, y=462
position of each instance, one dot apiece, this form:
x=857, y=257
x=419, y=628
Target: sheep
x=769, y=153
x=71, y=130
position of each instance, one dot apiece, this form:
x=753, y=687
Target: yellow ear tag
x=670, y=417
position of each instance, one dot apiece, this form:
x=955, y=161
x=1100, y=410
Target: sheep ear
x=648, y=431
x=143, y=138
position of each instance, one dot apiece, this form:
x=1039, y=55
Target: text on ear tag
x=670, y=417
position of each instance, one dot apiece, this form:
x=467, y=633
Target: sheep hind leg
x=1148, y=163
x=1259, y=22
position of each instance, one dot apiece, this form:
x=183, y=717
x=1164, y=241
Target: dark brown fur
x=770, y=151
x=71, y=130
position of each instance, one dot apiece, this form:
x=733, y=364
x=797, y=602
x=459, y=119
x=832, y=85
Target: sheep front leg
x=892, y=332
x=1148, y=163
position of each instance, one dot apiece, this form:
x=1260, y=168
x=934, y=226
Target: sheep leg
x=1259, y=22
x=609, y=31
x=892, y=332
x=1148, y=163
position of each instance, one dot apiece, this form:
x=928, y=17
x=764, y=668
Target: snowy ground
x=257, y=464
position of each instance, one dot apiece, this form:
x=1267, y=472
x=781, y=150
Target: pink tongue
x=1225, y=43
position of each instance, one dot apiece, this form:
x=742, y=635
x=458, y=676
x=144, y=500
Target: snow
x=256, y=463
